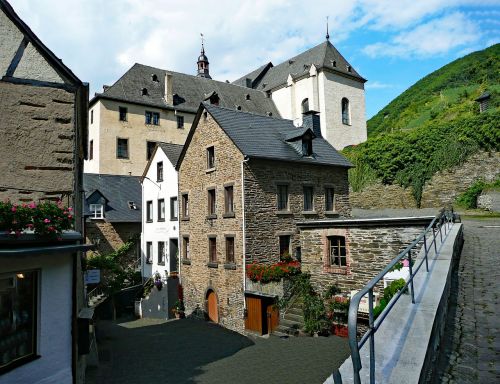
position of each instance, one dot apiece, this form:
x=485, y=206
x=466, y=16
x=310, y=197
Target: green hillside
x=444, y=95
x=433, y=125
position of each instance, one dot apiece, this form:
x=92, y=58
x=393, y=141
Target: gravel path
x=190, y=351
x=471, y=346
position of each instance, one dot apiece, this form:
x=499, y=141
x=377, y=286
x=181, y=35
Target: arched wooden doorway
x=213, y=313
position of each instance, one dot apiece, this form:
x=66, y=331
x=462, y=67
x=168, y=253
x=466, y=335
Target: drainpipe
x=245, y=160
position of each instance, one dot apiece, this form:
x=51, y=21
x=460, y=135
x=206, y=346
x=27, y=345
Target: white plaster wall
x=92, y=166
x=10, y=39
x=281, y=98
x=159, y=231
x=54, y=324
x=335, y=88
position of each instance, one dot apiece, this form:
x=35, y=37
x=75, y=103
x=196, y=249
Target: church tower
x=203, y=62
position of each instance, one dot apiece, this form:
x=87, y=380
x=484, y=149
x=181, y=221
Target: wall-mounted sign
x=92, y=276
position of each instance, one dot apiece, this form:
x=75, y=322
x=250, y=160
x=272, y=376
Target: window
x=185, y=248
x=185, y=206
x=174, y=209
x=307, y=146
x=96, y=211
x=228, y=199
x=212, y=250
x=210, y=157
x=144, y=91
x=18, y=313
x=148, y=117
x=211, y=202
x=161, y=252
x=337, y=251
x=149, y=252
x=346, y=119
x=305, y=105
x=156, y=118
x=230, y=250
x=161, y=209
x=122, y=113
x=159, y=171
x=308, y=198
x=180, y=122
x=282, y=197
x=121, y=148
x=149, y=211
x=284, y=247
x=154, y=77
x=92, y=116
x=91, y=149
x=329, y=199
x=150, y=147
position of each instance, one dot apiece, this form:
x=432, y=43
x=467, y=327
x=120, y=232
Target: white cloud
x=377, y=85
x=438, y=36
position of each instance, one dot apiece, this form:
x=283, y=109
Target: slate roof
x=118, y=191
x=266, y=137
x=172, y=151
x=322, y=56
x=190, y=91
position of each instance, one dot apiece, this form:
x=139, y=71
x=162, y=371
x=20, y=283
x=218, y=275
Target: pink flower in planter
x=46, y=221
x=32, y=205
x=406, y=263
x=70, y=209
x=14, y=209
x=70, y=216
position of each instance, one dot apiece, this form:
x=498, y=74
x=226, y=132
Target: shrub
x=389, y=293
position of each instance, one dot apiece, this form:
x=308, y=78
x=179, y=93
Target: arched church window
x=144, y=91
x=305, y=105
x=346, y=118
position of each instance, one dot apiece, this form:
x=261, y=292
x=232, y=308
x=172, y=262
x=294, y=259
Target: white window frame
x=97, y=211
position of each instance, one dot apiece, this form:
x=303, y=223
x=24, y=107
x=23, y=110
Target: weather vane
x=327, y=34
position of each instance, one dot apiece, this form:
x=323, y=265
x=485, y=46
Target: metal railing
x=94, y=293
x=434, y=231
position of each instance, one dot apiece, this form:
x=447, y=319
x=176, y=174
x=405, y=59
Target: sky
x=392, y=43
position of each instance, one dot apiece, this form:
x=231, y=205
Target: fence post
x=372, y=337
x=426, y=252
x=411, y=278
x=434, y=236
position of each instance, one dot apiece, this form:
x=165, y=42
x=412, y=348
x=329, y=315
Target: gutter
x=245, y=160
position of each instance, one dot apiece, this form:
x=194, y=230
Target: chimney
x=248, y=82
x=169, y=97
x=310, y=119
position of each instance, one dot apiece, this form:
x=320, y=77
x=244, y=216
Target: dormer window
x=96, y=211
x=132, y=205
x=144, y=91
x=307, y=147
x=348, y=68
x=247, y=96
x=154, y=78
x=305, y=105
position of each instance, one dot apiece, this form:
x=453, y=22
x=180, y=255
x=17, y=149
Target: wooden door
x=253, y=321
x=213, y=313
x=273, y=318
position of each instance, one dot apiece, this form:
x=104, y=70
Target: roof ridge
x=205, y=104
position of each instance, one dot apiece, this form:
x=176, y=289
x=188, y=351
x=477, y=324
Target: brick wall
x=264, y=224
x=37, y=143
x=369, y=250
x=441, y=190
x=194, y=179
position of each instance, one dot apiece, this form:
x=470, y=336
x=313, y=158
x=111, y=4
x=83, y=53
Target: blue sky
x=392, y=43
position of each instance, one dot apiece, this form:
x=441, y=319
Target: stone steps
x=291, y=322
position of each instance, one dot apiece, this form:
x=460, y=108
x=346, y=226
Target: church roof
x=267, y=137
x=323, y=56
x=188, y=91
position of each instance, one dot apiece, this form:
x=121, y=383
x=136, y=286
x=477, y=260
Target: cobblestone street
x=471, y=350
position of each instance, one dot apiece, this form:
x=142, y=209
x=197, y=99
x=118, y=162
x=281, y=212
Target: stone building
x=245, y=181
x=148, y=105
x=318, y=79
x=113, y=208
x=160, y=219
x=43, y=123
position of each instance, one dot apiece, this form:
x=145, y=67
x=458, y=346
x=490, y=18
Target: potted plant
x=178, y=309
x=157, y=281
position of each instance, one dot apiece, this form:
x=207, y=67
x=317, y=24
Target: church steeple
x=203, y=61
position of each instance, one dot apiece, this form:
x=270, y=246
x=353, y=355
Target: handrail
x=444, y=218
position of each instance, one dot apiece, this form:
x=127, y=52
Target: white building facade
x=160, y=214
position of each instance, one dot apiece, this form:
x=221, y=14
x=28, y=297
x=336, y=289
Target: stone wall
x=198, y=275
x=264, y=223
x=369, y=250
x=112, y=235
x=441, y=190
x=37, y=146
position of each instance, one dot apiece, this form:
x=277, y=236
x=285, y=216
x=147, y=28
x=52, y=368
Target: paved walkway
x=191, y=351
x=471, y=349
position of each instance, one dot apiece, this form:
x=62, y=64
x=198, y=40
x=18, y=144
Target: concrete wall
x=158, y=230
x=194, y=178
x=441, y=190
x=54, y=323
x=369, y=250
x=107, y=128
x=264, y=224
